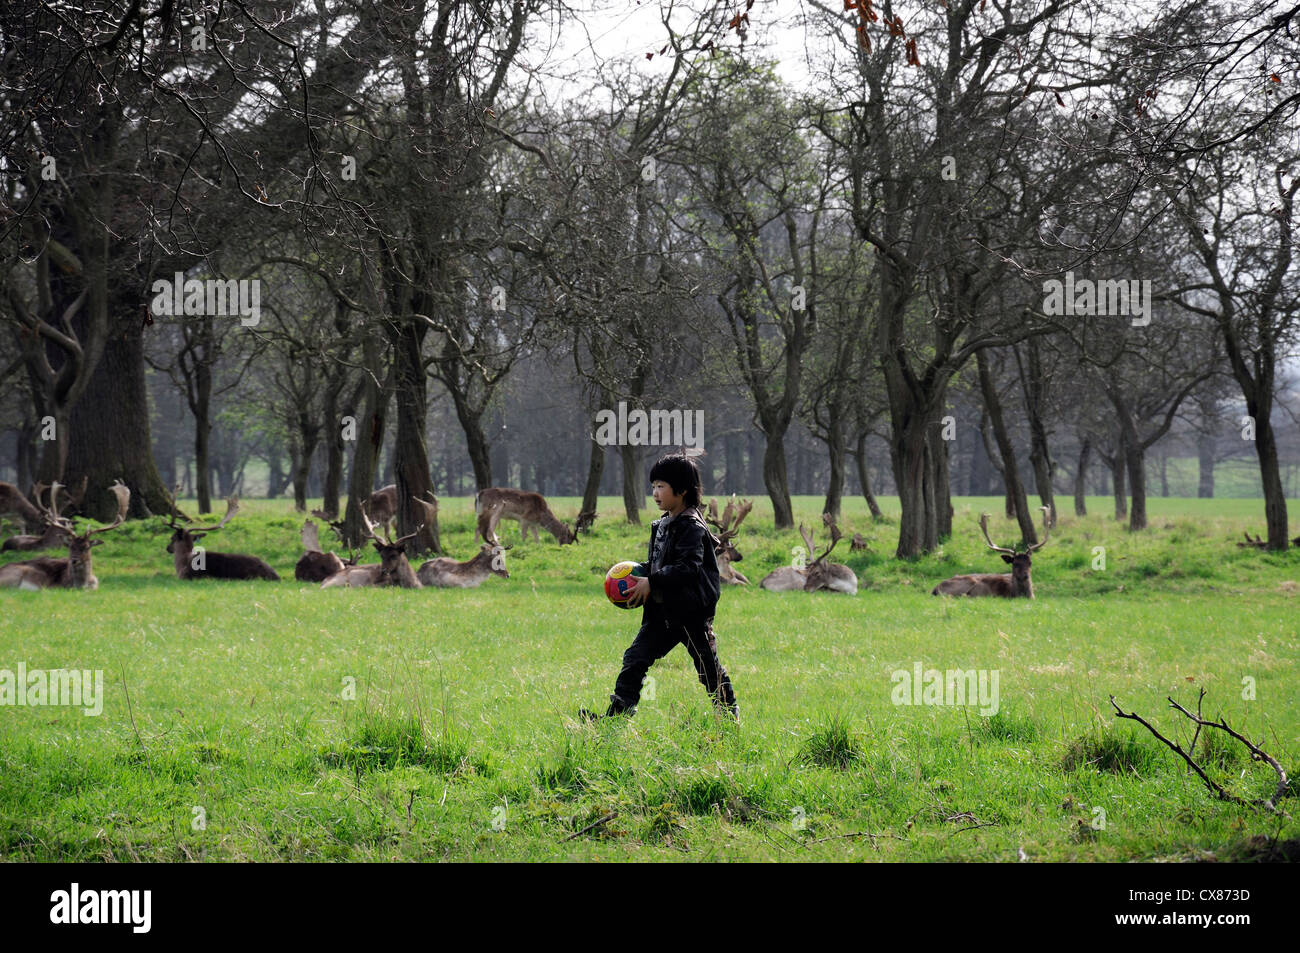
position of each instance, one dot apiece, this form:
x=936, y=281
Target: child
x=679, y=594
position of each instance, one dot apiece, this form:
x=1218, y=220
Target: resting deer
x=393, y=569
x=209, y=565
x=817, y=574
x=76, y=570
x=53, y=532
x=315, y=565
x=496, y=503
x=446, y=573
x=1008, y=585
x=726, y=552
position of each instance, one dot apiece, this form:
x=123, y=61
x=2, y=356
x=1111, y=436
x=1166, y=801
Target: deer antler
x=728, y=514
x=51, y=513
x=984, y=525
x=1047, y=529
x=808, y=540
x=123, y=494
x=836, y=536
x=367, y=527
x=712, y=515
x=174, y=512
x=741, y=513
x=232, y=507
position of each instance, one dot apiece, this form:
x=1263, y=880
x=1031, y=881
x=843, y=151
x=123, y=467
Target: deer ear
x=379, y=548
x=1006, y=558
x=96, y=542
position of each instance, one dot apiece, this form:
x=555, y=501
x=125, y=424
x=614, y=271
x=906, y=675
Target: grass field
x=265, y=721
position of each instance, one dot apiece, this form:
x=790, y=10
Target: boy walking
x=680, y=593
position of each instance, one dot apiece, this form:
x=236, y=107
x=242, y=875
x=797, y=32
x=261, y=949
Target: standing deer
x=446, y=573
x=496, y=503
x=393, y=569
x=210, y=565
x=76, y=570
x=817, y=574
x=315, y=565
x=726, y=552
x=382, y=506
x=1008, y=585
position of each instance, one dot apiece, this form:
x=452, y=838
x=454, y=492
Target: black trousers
x=657, y=637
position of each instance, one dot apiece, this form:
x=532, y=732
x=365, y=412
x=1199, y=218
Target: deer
x=496, y=503
x=393, y=569
x=52, y=534
x=315, y=565
x=447, y=573
x=382, y=505
x=818, y=573
x=76, y=570
x=210, y=565
x=1012, y=585
x=725, y=552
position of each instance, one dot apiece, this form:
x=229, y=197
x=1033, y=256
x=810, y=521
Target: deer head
x=80, y=570
x=394, y=569
x=1020, y=562
x=820, y=572
x=184, y=538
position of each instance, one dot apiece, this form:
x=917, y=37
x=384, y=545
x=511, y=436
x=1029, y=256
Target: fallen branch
x=1216, y=788
x=1256, y=754
x=592, y=826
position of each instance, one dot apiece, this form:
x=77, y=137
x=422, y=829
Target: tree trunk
x=633, y=488
x=776, y=480
x=1081, y=478
x=333, y=457
x=1135, y=460
x=1275, y=514
x=864, y=477
x=107, y=446
x=308, y=437
x=1205, y=447
x=202, y=454
x=835, y=486
x=1118, y=483
x=410, y=455
x=942, y=486
x=54, y=452
x=370, y=440
x=1010, y=473
x=595, y=470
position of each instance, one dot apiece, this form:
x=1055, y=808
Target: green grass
x=276, y=721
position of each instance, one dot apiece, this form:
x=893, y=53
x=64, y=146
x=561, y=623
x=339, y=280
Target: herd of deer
x=491, y=506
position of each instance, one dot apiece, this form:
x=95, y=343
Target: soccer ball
x=619, y=581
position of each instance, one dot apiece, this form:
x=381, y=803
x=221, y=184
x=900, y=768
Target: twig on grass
x=1256, y=754
x=131, y=714
x=594, y=824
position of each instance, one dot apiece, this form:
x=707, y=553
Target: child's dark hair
x=680, y=472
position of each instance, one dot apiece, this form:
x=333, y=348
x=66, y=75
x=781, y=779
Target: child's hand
x=640, y=591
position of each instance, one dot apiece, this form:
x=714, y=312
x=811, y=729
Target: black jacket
x=687, y=584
